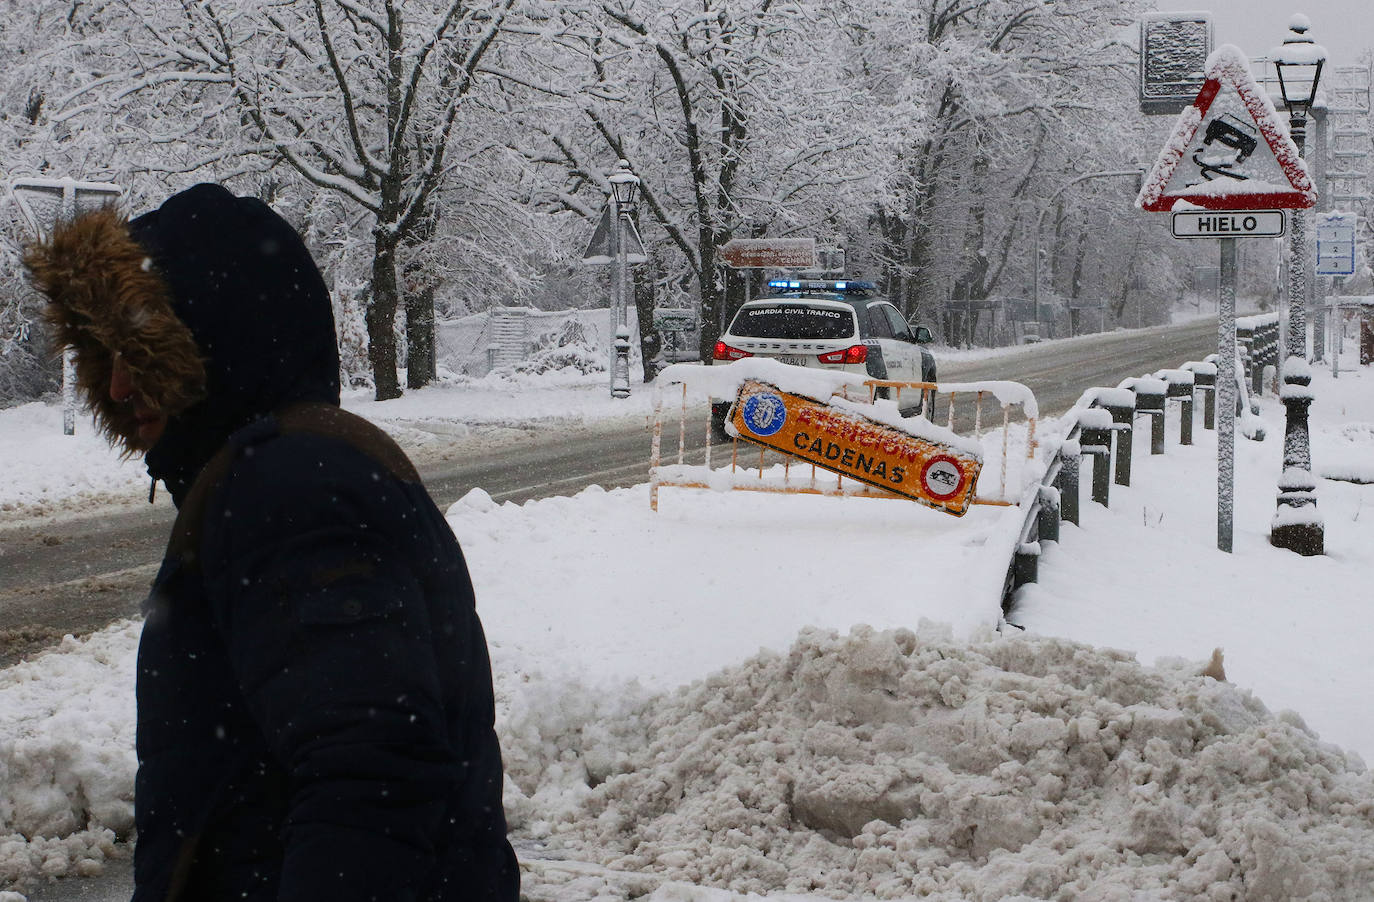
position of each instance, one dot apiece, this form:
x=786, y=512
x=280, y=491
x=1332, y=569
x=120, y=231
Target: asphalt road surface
x=77, y=573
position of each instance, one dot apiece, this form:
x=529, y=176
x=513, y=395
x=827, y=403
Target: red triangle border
x=1302, y=194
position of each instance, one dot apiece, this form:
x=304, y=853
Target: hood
x=215, y=305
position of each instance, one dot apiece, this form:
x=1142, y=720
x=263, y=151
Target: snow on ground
x=799, y=696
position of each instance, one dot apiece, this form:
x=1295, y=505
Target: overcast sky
x=1344, y=27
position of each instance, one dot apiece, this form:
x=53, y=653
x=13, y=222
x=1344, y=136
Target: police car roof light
x=842, y=286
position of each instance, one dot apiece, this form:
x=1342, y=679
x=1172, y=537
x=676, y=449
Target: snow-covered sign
x=1174, y=48
x=1228, y=150
x=769, y=253
x=601, y=249
x=1336, y=243
x=43, y=202
x=675, y=319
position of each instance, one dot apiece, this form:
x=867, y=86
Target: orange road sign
x=853, y=445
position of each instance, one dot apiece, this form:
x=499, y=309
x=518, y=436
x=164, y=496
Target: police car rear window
x=796, y=321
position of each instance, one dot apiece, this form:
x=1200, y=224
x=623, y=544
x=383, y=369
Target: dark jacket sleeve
x=314, y=585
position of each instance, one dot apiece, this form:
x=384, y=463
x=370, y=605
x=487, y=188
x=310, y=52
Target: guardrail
x=1258, y=337
x=1102, y=425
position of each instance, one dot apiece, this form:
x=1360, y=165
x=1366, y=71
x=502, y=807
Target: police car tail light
x=852, y=354
x=724, y=352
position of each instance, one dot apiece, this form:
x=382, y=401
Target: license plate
x=793, y=360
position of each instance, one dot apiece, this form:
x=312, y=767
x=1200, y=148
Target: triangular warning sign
x=601, y=249
x=1228, y=151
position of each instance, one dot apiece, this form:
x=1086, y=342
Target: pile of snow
x=903, y=764
x=67, y=756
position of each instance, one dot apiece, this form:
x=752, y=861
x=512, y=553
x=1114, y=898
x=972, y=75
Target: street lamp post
x=1049, y=203
x=1297, y=524
x=624, y=186
x=43, y=203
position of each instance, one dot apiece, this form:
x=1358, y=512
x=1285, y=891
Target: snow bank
x=67, y=756
x=898, y=764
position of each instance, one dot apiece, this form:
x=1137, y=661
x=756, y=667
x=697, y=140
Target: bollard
x=1025, y=566
x=1245, y=337
x=1120, y=403
x=1047, y=519
x=1269, y=349
x=1180, y=389
x=1095, y=438
x=1205, y=381
x=1149, y=399
x=1067, y=482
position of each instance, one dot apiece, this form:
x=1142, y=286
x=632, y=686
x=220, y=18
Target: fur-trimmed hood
x=105, y=299
x=215, y=306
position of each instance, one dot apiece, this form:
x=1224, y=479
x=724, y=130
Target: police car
x=829, y=324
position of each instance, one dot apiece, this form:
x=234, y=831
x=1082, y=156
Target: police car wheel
x=718, y=415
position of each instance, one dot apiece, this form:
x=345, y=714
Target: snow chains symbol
x=764, y=413
x=942, y=477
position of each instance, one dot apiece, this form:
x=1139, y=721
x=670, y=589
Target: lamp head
x=1299, y=62
x=624, y=184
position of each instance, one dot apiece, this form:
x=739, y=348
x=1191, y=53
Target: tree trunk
x=381, y=318
x=1076, y=283
x=420, y=290
x=650, y=342
x=712, y=297
x=420, y=364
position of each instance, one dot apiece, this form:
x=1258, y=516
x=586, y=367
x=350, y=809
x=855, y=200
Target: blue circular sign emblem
x=764, y=413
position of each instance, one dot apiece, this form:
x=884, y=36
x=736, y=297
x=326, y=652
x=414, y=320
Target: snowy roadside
x=50, y=474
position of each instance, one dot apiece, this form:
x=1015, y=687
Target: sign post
x=1336, y=233
x=1226, y=397
x=43, y=203
x=615, y=240
x=1228, y=171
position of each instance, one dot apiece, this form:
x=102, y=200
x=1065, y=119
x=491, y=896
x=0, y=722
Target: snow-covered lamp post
x=1297, y=524
x=43, y=203
x=624, y=187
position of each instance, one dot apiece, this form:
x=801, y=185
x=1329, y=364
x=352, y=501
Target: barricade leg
x=1185, y=423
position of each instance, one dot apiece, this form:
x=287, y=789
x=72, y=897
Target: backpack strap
x=314, y=419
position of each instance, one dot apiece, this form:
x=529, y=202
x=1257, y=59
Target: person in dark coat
x=315, y=707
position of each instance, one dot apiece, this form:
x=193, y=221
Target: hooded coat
x=315, y=707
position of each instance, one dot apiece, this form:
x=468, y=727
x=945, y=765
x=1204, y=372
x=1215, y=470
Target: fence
x=1102, y=426
x=502, y=337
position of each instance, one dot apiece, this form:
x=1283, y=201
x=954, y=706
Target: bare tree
x=364, y=99
x=729, y=116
